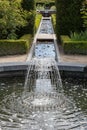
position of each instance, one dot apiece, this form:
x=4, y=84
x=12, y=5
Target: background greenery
x=68, y=16
x=13, y=47
x=15, y=17
x=71, y=46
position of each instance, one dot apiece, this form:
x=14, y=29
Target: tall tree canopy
x=68, y=16
x=11, y=18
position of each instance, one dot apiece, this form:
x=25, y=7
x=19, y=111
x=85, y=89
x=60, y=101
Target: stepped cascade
x=41, y=104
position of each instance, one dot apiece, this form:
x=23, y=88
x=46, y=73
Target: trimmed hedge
x=37, y=21
x=75, y=47
x=13, y=47
x=27, y=37
x=54, y=21
x=65, y=38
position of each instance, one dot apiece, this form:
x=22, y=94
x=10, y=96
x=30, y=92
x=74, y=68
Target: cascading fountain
x=43, y=74
x=41, y=103
x=47, y=77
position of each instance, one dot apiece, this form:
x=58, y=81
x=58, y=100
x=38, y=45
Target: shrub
x=75, y=47
x=45, y=3
x=65, y=38
x=11, y=19
x=12, y=47
x=82, y=36
x=37, y=21
x=28, y=38
x=84, y=13
x=29, y=5
x=54, y=21
x=53, y=8
x=68, y=16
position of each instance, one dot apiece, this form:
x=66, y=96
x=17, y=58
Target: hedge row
x=13, y=47
x=74, y=47
x=37, y=21
x=65, y=38
x=54, y=21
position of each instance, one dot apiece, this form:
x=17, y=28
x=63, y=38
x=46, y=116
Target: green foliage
x=68, y=16
x=73, y=47
x=54, y=21
x=29, y=28
x=40, y=7
x=65, y=38
x=84, y=14
x=11, y=18
x=53, y=8
x=28, y=5
x=45, y=2
x=28, y=38
x=82, y=36
x=12, y=47
x=37, y=21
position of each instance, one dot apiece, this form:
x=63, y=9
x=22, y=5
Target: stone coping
x=63, y=66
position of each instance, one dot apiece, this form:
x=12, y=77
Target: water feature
x=44, y=49
x=15, y=115
x=46, y=27
x=42, y=102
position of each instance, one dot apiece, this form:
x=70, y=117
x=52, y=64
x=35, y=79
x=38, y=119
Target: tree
x=29, y=5
x=68, y=16
x=11, y=18
x=84, y=13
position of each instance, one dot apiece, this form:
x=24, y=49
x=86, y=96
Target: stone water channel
x=43, y=101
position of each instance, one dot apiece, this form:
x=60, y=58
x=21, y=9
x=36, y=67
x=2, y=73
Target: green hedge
x=75, y=47
x=27, y=37
x=65, y=38
x=13, y=47
x=54, y=21
x=37, y=21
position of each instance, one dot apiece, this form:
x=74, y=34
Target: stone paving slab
x=14, y=66
x=45, y=36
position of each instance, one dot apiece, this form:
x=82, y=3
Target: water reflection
x=77, y=89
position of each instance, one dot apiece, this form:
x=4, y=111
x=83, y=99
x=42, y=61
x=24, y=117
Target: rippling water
x=46, y=27
x=69, y=113
x=44, y=49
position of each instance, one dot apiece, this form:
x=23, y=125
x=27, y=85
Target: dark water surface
x=15, y=112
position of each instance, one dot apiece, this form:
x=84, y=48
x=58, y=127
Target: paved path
x=15, y=58
x=63, y=58
x=72, y=58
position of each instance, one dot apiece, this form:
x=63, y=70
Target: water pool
x=16, y=115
